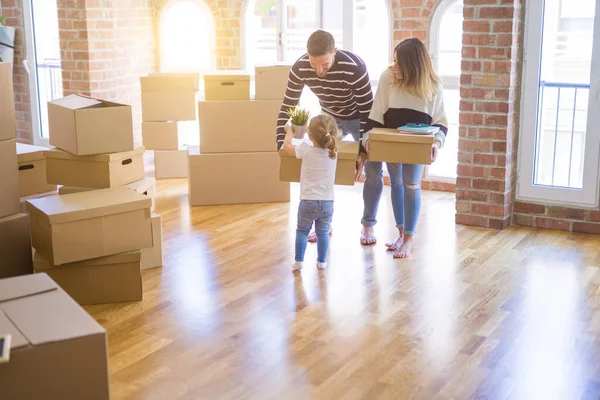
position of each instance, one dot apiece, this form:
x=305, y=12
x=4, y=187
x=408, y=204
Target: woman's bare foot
x=367, y=236
x=405, y=248
x=312, y=237
x=395, y=245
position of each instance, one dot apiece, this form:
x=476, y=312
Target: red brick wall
x=412, y=18
x=555, y=217
x=13, y=11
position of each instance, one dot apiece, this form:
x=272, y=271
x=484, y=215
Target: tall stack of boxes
x=168, y=105
x=237, y=161
x=15, y=238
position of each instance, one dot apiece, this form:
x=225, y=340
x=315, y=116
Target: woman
x=409, y=91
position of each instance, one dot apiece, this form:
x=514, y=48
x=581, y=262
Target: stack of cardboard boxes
x=168, y=106
x=15, y=238
x=237, y=161
x=33, y=182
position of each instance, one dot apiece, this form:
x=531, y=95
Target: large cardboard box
x=112, y=279
x=238, y=126
x=152, y=257
x=8, y=123
x=390, y=146
x=86, y=225
x=58, y=351
x=271, y=81
x=98, y=171
x=227, y=85
x=32, y=170
x=290, y=167
x=161, y=135
x=235, y=178
x=146, y=186
x=25, y=199
x=15, y=246
x=85, y=126
x=171, y=164
x=9, y=178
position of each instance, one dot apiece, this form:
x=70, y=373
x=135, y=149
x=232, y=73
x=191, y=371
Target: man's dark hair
x=320, y=43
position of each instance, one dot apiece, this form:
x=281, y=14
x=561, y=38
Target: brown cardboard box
x=235, y=178
x=58, y=351
x=146, y=186
x=25, y=199
x=227, y=85
x=170, y=164
x=9, y=178
x=238, y=126
x=8, y=123
x=32, y=170
x=390, y=146
x=15, y=246
x=85, y=126
x=271, y=82
x=152, y=257
x=161, y=135
x=160, y=107
x=98, y=171
x=112, y=279
x=93, y=224
x=170, y=82
x=289, y=169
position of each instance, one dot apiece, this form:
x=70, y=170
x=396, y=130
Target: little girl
x=317, y=178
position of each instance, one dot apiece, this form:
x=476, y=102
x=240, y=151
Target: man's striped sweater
x=344, y=93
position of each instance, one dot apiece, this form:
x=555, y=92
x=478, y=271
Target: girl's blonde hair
x=324, y=132
x=418, y=76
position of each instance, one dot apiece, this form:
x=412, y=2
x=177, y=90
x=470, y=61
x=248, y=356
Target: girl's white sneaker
x=297, y=266
x=321, y=265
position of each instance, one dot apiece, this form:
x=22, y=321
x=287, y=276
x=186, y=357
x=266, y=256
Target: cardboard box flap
x=24, y=286
x=236, y=76
x=92, y=204
x=41, y=264
x=17, y=339
x=347, y=150
x=77, y=102
x=63, y=155
x=29, y=153
x=142, y=185
x=392, y=135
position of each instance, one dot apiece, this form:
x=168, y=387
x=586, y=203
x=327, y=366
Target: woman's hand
x=434, y=150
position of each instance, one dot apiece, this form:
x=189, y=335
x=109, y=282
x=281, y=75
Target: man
x=340, y=81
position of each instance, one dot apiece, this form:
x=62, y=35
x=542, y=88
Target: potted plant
x=7, y=41
x=299, y=117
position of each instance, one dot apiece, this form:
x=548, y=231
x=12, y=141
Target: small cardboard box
x=93, y=224
x=170, y=83
x=9, y=178
x=15, y=246
x=238, y=126
x=171, y=164
x=401, y=148
x=271, y=81
x=112, y=279
x=85, y=126
x=161, y=135
x=146, y=186
x=255, y=180
x=227, y=85
x=152, y=257
x=290, y=167
x=58, y=351
x=25, y=199
x=97, y=172
x=32, y=170
x=8, y=122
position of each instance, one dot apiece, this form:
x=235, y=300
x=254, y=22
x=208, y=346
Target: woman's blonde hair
x=324, y=132
x=418, y=76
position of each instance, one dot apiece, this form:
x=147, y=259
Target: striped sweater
x=345, y=92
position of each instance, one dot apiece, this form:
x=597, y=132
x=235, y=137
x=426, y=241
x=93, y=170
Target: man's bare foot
x=312, y=237
x=405, y=248
x=367, y=236
x=395, y=245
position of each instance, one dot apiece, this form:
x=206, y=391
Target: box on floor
x=58, y=351
x=15, y=246
x=171, y=164
x=271, y=81
x=9, y=184
x=92, y=224
x=146, y=186
x=226, y=86
x=32, y=170
x=8, y=122
x=152, y=257
x=391, y=146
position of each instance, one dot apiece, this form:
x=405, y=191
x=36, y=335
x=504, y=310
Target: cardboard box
x=112, y=279
x=271, y=82
x=15, y=246
x=238, y=126
x=390, y=146
x=85, y=126
x=290, y=167
x=32, y=170
x=8, y=122
x=25, y=199
x=170, y=164
x=9, y=178
x=235, y=178
x=152, y=257
x=161, y=135
x=174, y=106
x=98, y=171
x=227, y=85
x=146, y=186
x=170, y=82
x=93, y=224
x=58, y=351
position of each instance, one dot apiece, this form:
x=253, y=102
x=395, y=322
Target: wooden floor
x=474, y=314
